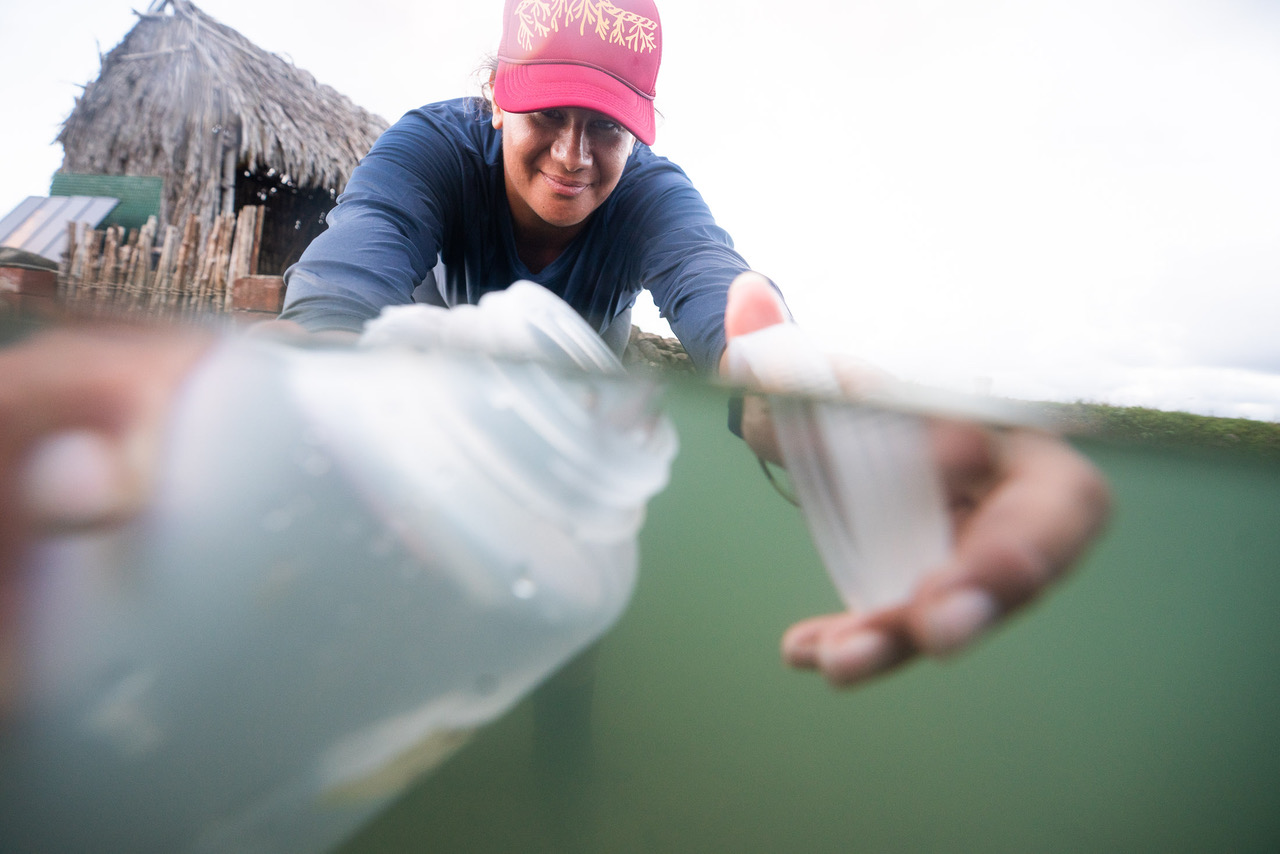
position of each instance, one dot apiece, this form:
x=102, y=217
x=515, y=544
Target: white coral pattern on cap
x=613, y=25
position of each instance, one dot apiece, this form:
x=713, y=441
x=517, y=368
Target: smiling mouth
x=563, y=187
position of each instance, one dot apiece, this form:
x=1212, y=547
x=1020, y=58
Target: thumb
x=753, y=304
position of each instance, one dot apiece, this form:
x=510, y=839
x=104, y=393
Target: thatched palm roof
x=182, y=90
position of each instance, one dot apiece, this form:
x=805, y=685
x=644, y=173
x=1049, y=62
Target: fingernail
x=72, y=478
x=855, y=657
x=957, y=619
x=799, y=651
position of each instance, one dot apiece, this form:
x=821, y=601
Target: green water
x=1135, y=709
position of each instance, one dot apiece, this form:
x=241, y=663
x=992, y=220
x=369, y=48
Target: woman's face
x=560, y=164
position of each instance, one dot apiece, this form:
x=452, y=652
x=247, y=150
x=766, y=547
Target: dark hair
x=484, y=74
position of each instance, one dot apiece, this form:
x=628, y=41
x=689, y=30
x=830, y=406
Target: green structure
x=139, y=195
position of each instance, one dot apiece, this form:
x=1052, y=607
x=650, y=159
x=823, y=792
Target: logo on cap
x=538, y=18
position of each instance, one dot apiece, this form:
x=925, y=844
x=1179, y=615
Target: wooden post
x=79, y=263
x=221, y=262
x=183, y=266
x=67, y=263
x=241, y=249
x=104, y=287
x=195, y=288
x=164, y=271
x=135, y=283
x=128, y=268
x=91, y=267
x=212, y=263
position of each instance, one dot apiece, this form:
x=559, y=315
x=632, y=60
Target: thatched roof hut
x=223, y=122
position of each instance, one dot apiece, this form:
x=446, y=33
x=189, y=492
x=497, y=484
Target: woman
x=550, y=184
x=551, y=180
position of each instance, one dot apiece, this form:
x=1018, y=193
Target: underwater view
x=1132, y=709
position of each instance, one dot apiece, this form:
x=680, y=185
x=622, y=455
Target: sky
x=1050, y=200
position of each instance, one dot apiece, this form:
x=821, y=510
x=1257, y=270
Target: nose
x=571, y=148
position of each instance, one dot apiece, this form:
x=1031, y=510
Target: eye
x=551, y=115
x=607, y=126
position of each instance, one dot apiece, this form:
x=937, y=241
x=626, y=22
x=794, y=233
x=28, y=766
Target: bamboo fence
x=177, y=274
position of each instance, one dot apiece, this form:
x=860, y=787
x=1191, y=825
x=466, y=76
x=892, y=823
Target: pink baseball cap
x=593, y=54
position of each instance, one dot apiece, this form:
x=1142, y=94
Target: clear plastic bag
x=863, y=474
x=354, y=558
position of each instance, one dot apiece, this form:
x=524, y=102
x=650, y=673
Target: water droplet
x=278, y=520
x=124, y=716
x=285, y=515
x=501, y=399
x=524, y=588
x=316, y=464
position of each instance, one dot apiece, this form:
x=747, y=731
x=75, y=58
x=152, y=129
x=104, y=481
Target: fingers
x=845, y=648
x=1023, y=505
x=83, y=411
x=1026, y=505
x=1044, y=505
x=1049, y=503
x=950, y=621
x=75, y=478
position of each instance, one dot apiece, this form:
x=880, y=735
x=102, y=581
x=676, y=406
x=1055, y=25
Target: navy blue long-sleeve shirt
x=424, y=218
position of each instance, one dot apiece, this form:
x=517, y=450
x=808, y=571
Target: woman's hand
x=1024, y=506
x=82, y=411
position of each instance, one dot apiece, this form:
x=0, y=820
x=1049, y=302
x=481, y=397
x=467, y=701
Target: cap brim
x=528, y=87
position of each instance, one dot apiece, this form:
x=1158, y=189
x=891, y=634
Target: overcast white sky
x=1061, y=199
